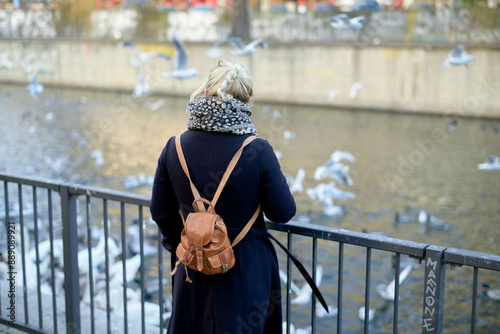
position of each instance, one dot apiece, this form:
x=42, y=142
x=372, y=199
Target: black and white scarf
x=212, y=114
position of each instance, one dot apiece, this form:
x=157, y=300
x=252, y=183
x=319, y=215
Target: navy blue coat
x=246, y=299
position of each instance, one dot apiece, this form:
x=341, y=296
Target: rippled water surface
x=404, y=163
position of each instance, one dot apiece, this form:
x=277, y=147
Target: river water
x=404, y=163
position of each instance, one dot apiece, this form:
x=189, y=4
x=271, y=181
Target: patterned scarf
x=214, y=115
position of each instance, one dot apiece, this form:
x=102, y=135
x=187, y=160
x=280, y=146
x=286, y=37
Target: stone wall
x=405, y=79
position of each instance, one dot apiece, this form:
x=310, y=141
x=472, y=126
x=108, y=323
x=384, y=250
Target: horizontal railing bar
x=22, y=327
x=471, y=258
x=411, y=248
x=76, y=189
x=31, y=181
x=113, y=195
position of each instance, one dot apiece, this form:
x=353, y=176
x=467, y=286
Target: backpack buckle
x=225, y=267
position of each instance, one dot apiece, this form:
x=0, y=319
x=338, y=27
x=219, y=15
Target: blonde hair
x=227, y=80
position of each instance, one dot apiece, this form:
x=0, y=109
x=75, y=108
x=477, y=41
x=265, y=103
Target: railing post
x=432, y=317
x=71, y=276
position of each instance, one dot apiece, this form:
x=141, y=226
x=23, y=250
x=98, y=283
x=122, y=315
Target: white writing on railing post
x=432, y=317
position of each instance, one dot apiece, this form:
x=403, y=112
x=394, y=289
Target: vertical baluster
x=340, y=288
x=106, y=258
x=397, y=269
x=7, y=218
x=315, y=278
x=288, y=282
x=23, y=242
x=37, y=257
x=52, y=264
x=124, y=266
x=71, y=272
x=434, y=283
x=141, y=252
x=474, y=301
x=160, y=280
x=91, y=264
x=367, y=289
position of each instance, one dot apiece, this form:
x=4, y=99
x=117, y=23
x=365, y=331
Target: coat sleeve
x=164, y=205
x=276, y=199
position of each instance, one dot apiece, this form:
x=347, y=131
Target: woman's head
x=227, y=80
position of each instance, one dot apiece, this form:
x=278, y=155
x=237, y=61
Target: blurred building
x=278, y=6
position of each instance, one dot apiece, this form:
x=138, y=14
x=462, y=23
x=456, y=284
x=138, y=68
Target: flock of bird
x=181, y=69
x=117, y=282
x=386, y=292
x=326, y=193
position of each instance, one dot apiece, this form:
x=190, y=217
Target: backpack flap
x=199, y=231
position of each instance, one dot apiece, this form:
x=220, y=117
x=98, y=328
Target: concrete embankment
x=403, y=79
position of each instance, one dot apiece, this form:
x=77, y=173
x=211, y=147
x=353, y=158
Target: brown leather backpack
x=205, y=245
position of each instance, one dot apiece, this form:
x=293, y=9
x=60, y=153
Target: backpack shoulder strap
x=247, y=227
x=182, y=160
x=230, y=168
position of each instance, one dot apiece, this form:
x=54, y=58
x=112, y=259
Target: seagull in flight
x=141, y=88
x=34, y=88
x=458, y=57
x=247, y=50
x=181, y=70
x=216, y=51
x=296, y=183
x=354, y=89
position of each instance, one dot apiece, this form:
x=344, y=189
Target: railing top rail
x=114, y=195
x=77, y=189
x=473, y=259
x=414, y=249
x=31, y=181
x=411, y=248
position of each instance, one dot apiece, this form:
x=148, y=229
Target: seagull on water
x=491, y=293
x=181, y=69
x=332, y=210
x=431, y=221
x=458, y=57
x=491, y=163
x=34, y=87
x=247, y=50
x=361, y=314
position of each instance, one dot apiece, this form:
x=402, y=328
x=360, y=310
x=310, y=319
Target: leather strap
x=230, y=168
x=247, y=227
x=303, y=271
x=225, y=177
x=182, y=160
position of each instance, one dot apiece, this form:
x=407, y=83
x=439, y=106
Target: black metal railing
x=92, y=246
